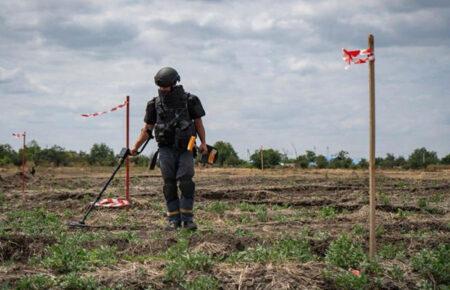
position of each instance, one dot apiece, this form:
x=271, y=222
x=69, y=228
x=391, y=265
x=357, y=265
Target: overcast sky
x=268, y=72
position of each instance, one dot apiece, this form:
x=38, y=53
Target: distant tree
x=389, y=161
x=140, y=160
x=55, y=155
x=101, y=154
x=8, y=155
x=363, y=163
x=421, y=158
x=271, y=158
x=321, y=161
x=379, y=161
x=342, y=160
x=302, y=161
x=446, y=159
x=310, y=156
x=400, y=162
x=33, y=152
x=227, y=154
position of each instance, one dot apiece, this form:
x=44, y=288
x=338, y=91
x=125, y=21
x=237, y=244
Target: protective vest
x=174, y=126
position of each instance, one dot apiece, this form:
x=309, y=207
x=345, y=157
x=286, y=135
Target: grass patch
x=328, y=212
x=391, y=251
x=347, y=280
x=218, y=207
x=180, y=260
x=69, y=256
x=33, y=222
x=203, y=282
x=286, y=249
x=35, y=282
x=384, y=198
x=345, y=253
x=434, y=263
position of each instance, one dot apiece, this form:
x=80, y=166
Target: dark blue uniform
x=176, y=162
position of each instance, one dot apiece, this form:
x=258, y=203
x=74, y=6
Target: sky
x=268, y=73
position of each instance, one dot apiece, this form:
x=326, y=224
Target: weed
x=35, y=282
x=379, y=231
x=261, y=214
x=345, y=253
x=437, y=197
x=283, y=250
x=177, y=268
x=391, y=251
x=328, y=212
x=73, y=281
x=280, y=218
x=34, y=222
x=403, y=214
x=422, y=203
x=202, y=282
x=69, y=256
x=218, y=207
x=384, y=198
x=359, y=230
x=243, y=233
x=434, y=263
x=396, y=273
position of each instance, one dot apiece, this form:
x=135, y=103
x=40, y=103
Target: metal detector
x=124, y=153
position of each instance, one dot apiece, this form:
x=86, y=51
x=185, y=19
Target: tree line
x=102, y=155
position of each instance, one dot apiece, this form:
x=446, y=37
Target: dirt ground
x=242, y=214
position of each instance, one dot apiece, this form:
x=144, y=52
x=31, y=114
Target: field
x=277, y=229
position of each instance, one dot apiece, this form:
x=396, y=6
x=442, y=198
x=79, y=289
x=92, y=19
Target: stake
x=372, y=193
x=23, y=163
x=127, y=145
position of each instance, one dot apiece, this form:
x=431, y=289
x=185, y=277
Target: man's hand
x=203, y=148
x=133, y=151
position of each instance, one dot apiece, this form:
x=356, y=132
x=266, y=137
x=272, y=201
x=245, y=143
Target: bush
x=342, y=160
x=101, y=154
x=271, y=158
x=227, y=154
x=421, y=158
x=35, y=282
x=434, y=263
x=345, y=253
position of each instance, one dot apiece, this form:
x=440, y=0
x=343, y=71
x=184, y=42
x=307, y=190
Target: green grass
x=218, y=207
x=434, y=263
x=33, y=222
x=384, y=198
x=35, y=282
x=344, y=252
x=69, y=255
x=391, y=251
x=286, y=249
x=203, y=282
x=347, y=280
x=180, y=260
x=328, y=212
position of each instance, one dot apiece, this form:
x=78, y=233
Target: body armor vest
x=174, y=126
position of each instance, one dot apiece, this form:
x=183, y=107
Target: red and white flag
x=357, y=56
x=112, y=202
x=18, y=135
x=104, y=112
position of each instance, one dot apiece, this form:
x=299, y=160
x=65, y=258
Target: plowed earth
x=237, y=210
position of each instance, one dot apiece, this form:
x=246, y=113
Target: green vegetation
x=180, y=260
x=218, y=207
x=69, y=255
x=345, y=253
x=285, y=249
x=203, y=282
x=33, y=222
x=227, y=155
x=391, y=251
x=328, y=212
x=434, y=263
x=271, y=158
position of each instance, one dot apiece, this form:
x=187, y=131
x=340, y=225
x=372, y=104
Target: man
x=176, y=116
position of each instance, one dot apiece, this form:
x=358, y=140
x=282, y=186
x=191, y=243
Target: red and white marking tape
x=18, y=135
x=104, y=112
x=113, y=202
x=357, y=56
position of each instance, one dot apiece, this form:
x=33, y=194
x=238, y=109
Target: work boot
x=173, y=225
x=190, y=225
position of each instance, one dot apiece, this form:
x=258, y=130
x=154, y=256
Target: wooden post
x=372, y=193
x=127, y=145
x=262, y=157
x=23, y=162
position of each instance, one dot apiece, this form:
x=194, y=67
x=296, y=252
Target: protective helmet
x=166, y=77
